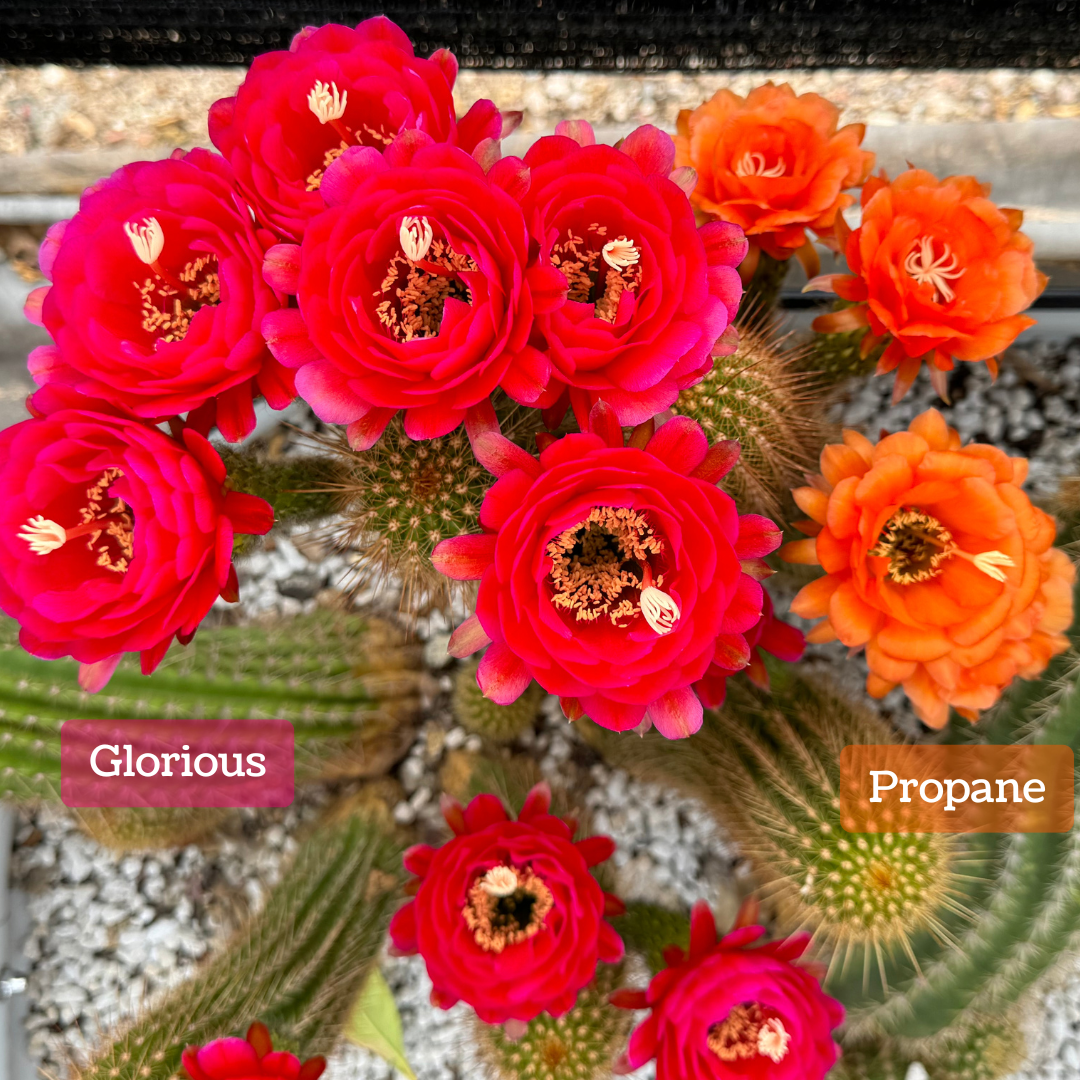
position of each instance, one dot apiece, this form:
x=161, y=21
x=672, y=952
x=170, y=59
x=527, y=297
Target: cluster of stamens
x=328, y=104
x=506, y=906
x=753, y=163
x=114, y=522
x=938, y=271
x=917, y=545
x=419, y=281
x=746, y=1033
x=596, y=562
x=597, y=270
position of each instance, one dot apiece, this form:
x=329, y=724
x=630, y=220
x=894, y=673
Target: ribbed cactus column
x=350, y=686
x=297, y=967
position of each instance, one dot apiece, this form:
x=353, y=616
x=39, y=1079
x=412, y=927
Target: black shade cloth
x=597, y=35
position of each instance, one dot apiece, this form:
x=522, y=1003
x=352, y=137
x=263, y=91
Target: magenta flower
x=612, y=574
x=297, y=111
x=651, y=296
x=114, y=537
x=507, y=916
x=730, y=1012
x=414, y=291
x=251, y=1058
x=157, y=296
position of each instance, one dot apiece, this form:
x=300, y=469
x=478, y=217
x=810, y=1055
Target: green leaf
x=376, y=1026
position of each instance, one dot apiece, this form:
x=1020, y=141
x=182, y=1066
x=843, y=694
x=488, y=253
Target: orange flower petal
x=986, y=621
x=977, y=511
x=843, y=513
x=821, y=633
x=926, y=699
x=832, y=554
x=802, y=552
x=948, y=465
x=909, y=643
x=812, y=600
x=981, y=651
x=906, y=444
x=877, y=687
x=854, y=621
x=860, y=444
x=888, y=667
x=931, y=426
x=839, y=462
x=813, y=503
x=885, y=483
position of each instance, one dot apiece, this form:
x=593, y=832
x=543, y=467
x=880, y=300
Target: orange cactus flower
x=774, y=163
x=937, y=269
x=935, y=561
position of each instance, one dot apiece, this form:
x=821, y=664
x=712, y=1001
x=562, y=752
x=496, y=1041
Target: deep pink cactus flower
x=771, y=635
x=507, y=916
x=157, y=296
x=114, y=537
x=414, y=289
x=730, y=1012
x=250, y=1058
x=612, y=574
x=651, y=296
x=297, y=110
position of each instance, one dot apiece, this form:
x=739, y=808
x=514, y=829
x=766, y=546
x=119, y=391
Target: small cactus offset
x=581, y=1045
x=149, y=828
x=350, y=686
x=763, y=289
x=300, y=487
x=296, y=967
x=761, y=397
x=482, y=716
x=398, y=500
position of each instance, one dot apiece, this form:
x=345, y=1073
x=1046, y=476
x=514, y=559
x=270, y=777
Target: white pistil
x=43, y=535
x=773, y=1040
x=990, y=563
x=327, y=102
x=752, y=163
x=620, y=253
x=148, y=239
x=660, y=611
x=926, y=269
x=415, y=235
x=500, y=881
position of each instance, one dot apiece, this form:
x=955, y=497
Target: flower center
x=328, y=103
x=170, y=300
x=108, y=525
x=419, y=281
x=928, y=270
x=505, y=907
x=747, y=1033
x=917, y=545
x=598, y=270
x=753, y=163
x=600, y=567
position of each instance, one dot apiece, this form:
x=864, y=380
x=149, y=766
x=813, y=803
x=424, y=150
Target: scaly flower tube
x=938, y=271
x=506, y=915
x=725, y=1011
x=615, y=575
x=935, y=561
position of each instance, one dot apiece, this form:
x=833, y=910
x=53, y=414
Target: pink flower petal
x=502, y=676
x=464, y=558
x=484, y=810
x=758, y=536
x=651, y=148
x=349, y=172
x=327, y=391
x=468, y=638
x=581, y=131
x=719, y=461
x=94, y=677
x=499, y=455
x=281, y=268
x=680, y=444
x=537, y=802
x=677, y=713
x=364, y=433
x=286, y=336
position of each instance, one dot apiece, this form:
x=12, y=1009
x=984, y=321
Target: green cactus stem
x=297, y=967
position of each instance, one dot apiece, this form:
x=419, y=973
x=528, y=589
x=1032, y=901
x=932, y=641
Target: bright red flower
x=158, y=295
x=938, y=271
x=611, y=574
x=413, y=291
x=507, y=916
x=251, y=1058
x=650, y=294
x=771, y=635
x=296, y=111
x=114, y=537
x=729, y=1012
